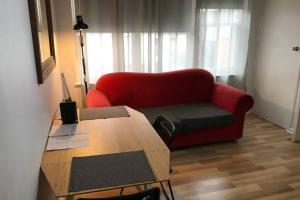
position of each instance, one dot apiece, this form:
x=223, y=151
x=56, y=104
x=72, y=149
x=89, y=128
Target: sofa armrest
x=231, y=99
x=96, y=98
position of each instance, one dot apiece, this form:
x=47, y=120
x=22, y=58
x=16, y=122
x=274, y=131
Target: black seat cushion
x=190, y=117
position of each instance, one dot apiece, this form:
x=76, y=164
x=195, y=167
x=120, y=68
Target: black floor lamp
x=79, y=26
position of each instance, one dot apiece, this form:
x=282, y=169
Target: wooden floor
x=264, y=164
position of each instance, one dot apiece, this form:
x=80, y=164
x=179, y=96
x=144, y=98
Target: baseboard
x=290, y=131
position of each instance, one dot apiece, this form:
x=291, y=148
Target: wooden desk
x=106, y=136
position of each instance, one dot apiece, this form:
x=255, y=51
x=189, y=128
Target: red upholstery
x=231, y=99
x=140, y=90
x=96, y=98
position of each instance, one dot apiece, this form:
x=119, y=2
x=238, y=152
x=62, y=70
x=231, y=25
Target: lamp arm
x=81, y=38
x=83, y=62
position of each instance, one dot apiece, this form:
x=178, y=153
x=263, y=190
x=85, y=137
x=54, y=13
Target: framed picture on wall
x=42, y=35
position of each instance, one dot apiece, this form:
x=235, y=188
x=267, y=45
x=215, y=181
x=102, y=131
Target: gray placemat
x=103, y=113
x=109, y=170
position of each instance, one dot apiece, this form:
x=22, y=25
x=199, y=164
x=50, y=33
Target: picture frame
x=42, y=37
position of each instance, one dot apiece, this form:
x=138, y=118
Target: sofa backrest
x=139, y=90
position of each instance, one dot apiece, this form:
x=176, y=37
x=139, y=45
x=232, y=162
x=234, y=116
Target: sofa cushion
x=167, y=111
x=190, y=117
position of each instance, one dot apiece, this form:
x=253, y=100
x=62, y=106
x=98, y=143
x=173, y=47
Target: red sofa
x=191, y=86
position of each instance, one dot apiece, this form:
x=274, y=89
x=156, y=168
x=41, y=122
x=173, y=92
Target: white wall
x=254, y=41
x=26, y=108
x=66, y=47
x=275, y=74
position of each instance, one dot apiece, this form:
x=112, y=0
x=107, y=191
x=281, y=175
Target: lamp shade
x=80, y=25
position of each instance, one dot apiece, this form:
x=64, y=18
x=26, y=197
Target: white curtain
x=165, y=35
x=224, y=35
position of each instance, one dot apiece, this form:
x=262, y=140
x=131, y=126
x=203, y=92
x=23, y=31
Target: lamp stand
x=83, y=62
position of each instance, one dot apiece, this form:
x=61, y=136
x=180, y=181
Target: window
x=99, y=55
x=221, y=40
x=161, y=39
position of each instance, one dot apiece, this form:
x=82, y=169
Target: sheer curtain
x=165, y=35
x=224, y=34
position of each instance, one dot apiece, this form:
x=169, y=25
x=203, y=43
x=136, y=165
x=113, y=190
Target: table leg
x=164, y=191
x=146, y=187
x=171, y=191
x=69, y=198
x=121, y=191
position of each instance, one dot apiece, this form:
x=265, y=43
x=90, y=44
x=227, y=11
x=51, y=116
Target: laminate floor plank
x=263, y=165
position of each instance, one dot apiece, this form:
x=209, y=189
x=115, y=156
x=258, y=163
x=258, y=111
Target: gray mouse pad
x=109, y=170
x=103, y=113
